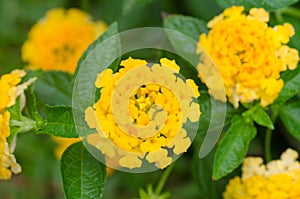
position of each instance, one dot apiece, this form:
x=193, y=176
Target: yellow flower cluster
x=249, y=54
x=10, y=90
x=147, y=116
x=279, y=179
x=57, y=41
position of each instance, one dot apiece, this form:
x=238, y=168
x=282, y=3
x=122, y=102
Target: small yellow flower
x=139, y=114
x=248, y=54
x=58, y=40
x=10, y=90
x=279, y=179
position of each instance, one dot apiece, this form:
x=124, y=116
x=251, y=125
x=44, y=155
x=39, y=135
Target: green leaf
x=258, y=114
x=290, y=117
x=131, y=4
x=188, y=26
x=151, y=195
x=266, y=4
x=53, y=87
x=262, y=118
x=83, y=176
x=15, y=110
x=202, y=173
x=103, y=53
x=291, y=87
x=59, y=122
x=233, y=147
x=30, y=110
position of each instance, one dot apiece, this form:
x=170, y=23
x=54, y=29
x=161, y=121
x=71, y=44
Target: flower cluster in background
x=249, y=54
x=276, y=179
x=58, y=40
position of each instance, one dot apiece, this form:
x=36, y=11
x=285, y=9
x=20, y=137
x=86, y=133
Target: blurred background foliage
x=17, y=17
x=41, y=176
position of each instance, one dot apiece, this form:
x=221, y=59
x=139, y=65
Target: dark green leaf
x=101, y=54
x=202, y=173
x=190, y=27
x=53, y=87
x=233, y=147
x=187, y=25
x=131, y=4
x=266, y=4
x=290, y=117
x=30, y=110
x=291, y=87
x=295, y=41
x=83, y=176
x=59, y=122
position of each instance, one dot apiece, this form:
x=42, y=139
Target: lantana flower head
x=249, y=54
x=10, y=90
x=276, y=179
x=140, y=114
x=58, y=40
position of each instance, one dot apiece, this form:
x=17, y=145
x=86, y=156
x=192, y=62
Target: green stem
x=278, y=15
x=268, y=137
x=26, y=124
x=163, y=180
x=290, y=11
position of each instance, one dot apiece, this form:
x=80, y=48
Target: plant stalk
x=163, y=180
x=268, y=137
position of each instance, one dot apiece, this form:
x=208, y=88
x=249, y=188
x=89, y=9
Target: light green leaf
x=83, y=176
x=262, y=118
x=150, y=194
x=258, y=114
x=59, y=122
x=266, y=4
x=233, y=147
x=15, y=110
x=290, y=117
